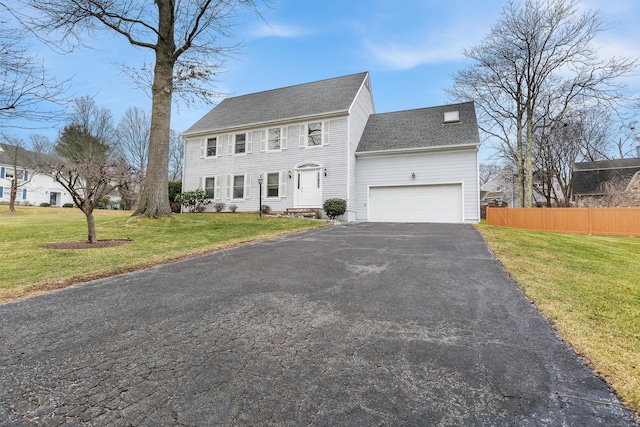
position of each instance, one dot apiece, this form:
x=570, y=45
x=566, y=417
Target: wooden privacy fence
x=602, y=221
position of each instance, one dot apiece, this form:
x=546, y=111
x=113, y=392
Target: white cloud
x=402, y=57
x=275, y=30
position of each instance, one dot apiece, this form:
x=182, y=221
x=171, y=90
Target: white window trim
x=204, y=145
x=248, y=145
x=246, y=195
x=216, y=185
x=303, y=134
x=282, y=185
x=264, y=139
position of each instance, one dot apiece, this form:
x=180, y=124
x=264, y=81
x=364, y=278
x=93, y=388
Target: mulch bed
x=83, y=244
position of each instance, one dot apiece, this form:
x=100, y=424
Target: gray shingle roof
x=25, y=157
x=420, y=128
x=321, y=97
x=589, y=178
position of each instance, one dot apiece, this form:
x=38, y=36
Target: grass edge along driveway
x=28, y=269
x=588, y=288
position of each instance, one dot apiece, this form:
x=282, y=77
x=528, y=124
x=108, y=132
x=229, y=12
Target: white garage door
x=416, y=203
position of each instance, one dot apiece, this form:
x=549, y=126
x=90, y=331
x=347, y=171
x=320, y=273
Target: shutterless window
x=209, y=187
x=314, y=134
x=238, y=187
x=9, y=173
x=273, y=184
x=211, y=147
x=241, y=143
x=274, y=139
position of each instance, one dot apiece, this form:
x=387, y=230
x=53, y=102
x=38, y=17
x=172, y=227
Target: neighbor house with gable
x=33, y=188
x=321, y=140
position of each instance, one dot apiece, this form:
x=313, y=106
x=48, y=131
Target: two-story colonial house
x=322, y=140
x=33, y=188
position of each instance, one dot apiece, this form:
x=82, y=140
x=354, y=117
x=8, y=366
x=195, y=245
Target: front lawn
x=26, y=268
x=589, y=288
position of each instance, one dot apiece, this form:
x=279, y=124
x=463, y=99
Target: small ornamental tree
x=194, y=201
x=334, y=207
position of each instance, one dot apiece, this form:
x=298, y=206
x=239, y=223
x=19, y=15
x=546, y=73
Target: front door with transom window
x=308, y=186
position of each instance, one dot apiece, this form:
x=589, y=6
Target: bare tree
x=40, y=144
x=488, y=171
x=536, y=64
x=85, y=171
x=176, y=156
x=24, y=84
x=187, y=38
x=132, y=136
x=583, y=136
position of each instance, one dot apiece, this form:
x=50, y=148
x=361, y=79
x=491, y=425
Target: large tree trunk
x=154, y=200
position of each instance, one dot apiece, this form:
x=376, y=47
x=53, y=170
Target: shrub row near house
x=197, y=200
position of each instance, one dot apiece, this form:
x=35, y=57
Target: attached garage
x=416, y=203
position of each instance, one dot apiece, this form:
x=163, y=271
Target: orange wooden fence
x=602, y=221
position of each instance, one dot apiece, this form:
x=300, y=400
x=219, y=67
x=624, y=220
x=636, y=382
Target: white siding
x=360, y=111
x=446, y=167
x=332, y=157
x=39, y=188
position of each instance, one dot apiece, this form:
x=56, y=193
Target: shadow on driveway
x=365, y=324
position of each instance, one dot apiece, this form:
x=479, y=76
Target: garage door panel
x=416, y=203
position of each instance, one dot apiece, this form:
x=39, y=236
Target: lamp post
x=260, y=195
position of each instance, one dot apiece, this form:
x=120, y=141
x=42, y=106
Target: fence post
x=544, y=218
x=590, y=221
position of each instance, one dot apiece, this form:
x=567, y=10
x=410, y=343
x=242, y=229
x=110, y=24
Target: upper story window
x=240, y=143
x=314, y=134
x=212, y=147
x=274, y=138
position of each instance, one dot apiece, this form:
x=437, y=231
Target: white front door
x=308, y=190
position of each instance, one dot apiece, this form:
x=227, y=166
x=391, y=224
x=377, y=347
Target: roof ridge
x=295, y=85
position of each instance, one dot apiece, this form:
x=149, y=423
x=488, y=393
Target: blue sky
x=409, y=47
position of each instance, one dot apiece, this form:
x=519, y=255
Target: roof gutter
x=416, y=150
x=289, y=120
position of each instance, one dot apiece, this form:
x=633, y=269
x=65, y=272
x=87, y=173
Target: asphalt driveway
x=366, y=324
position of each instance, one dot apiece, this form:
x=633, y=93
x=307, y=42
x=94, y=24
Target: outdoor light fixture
x=413, y=175
x=289, y=174
x=325, y=171
x=260, y=195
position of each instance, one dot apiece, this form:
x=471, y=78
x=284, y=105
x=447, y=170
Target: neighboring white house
x=322, y=140
x=34, y=188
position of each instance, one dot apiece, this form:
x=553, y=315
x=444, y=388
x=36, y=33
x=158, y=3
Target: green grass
x=26, y=268
x=589, y=288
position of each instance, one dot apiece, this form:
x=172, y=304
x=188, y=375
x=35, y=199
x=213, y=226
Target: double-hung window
x=209, y=187
x=239, y=187
x=275, y=186
x=273, y=139
x=240, y=143
x=273, y=143
x=212, y=146
x=314, y=134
